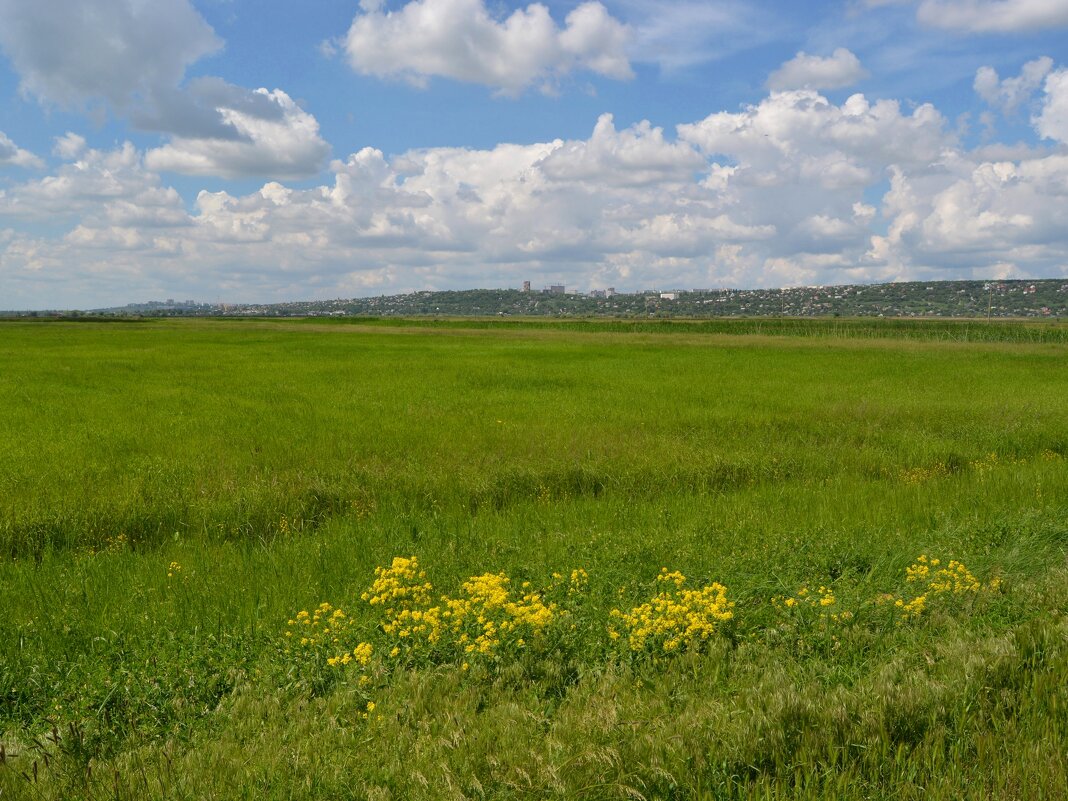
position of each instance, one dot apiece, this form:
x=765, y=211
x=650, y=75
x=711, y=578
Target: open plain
x=741, y=559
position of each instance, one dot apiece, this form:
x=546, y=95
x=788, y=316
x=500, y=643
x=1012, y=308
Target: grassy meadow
x=475, y=559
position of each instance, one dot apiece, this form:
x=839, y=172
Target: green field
x=174, y=494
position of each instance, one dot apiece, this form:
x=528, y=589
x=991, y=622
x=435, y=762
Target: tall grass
x=938, y=330
x=173, y=492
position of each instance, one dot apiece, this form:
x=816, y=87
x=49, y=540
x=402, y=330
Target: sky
x=264, y=151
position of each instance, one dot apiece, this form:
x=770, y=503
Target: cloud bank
x=795, y=189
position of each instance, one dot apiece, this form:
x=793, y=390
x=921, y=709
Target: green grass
x=279, y=462
x=930, y=329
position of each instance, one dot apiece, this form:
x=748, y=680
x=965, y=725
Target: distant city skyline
x=1038, y=298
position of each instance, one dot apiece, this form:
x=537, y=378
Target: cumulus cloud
x=10, y=153
x=779, y=192
x=635, y=157
x=975, y=217
x=133, y=56
x=1052, y=121
x=802, y=164
x=801, y=134
x=1009, y=94
x=69, y=146
x=71, y=52
x=460, y=39
x=842, y=68
x=277, y=138
x=993, y=16
x=84, y=187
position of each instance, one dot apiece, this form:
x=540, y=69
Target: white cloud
x=779, y=192
x=278, y=138
x=10, y=153
x=69, y=146
x=993, y=16
x=1052, y=121
x=842, y=68
x=88, y=187
x=133, y=56
x=1009, y=94
x=802, y=134
x=596, y=41
x=979, y=217
x=635, y=157
x=71, y=52
x=460, y=39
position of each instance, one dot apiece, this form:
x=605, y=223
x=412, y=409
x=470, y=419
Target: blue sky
x=263, y=151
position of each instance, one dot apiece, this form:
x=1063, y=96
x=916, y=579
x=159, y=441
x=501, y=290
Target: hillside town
x=966, y=299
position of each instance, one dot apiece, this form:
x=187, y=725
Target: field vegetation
x=387, y=560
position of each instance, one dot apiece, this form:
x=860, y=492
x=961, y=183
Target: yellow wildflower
x=363, y=652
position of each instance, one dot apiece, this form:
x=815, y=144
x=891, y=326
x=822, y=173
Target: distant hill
x=974, y=299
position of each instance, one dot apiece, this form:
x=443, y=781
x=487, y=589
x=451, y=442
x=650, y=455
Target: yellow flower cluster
x=988, y=463
x=327, y=629
x=982, y=466
x=404, y=596
x=114, y=544
x=325, y=625
x=580, y=579
x=361, y=655
x=484, y=617
x=920, y=569
x=954, y=579
x=173, y=569
x=487, y=615
x=913, y=608
x=985, y=464
x=921, y=475
x=821, y=598
x=400, y=586
x=811, y=619
x=489, y=618
x=416, y=624
x=675, y=618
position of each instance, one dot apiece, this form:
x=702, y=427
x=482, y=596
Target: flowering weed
x=811, y=619
x=675, y=618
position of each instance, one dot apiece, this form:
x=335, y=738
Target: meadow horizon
x=278, y=558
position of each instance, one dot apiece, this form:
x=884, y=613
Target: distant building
x=557, y=289
x=610, y=292
x=526, y=286
x=669, y=295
